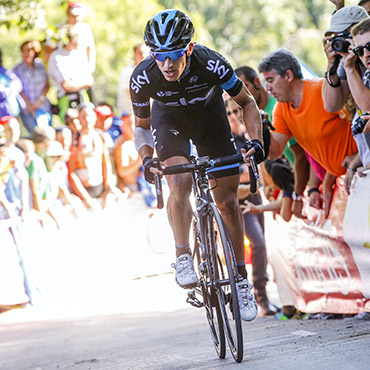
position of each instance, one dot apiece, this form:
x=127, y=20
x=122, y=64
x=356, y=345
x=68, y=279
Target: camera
x=339, y=42
x=359, y=125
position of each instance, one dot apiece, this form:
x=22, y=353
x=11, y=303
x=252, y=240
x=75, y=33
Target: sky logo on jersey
x=140, y=81
x=215, y=67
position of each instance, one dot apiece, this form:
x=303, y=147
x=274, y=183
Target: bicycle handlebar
x=205, y=163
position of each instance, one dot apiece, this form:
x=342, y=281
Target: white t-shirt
x=68, y=66
x=123, y=94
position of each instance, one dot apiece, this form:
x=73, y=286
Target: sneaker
x=186, y=277
x=247, y=303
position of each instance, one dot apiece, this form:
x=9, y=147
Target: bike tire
x=226, y=273
x=210, y=301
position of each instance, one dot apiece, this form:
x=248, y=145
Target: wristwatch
x=297, y=198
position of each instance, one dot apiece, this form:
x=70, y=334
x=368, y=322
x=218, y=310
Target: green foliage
x=244, y=31
x=21, y=14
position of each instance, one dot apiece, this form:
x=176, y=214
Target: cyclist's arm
x=143, y=123
x=251, y=115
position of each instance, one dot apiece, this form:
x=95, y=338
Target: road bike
x=213, y=254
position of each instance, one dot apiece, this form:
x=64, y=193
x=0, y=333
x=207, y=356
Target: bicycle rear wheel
x=209, y=294
x=226, y=273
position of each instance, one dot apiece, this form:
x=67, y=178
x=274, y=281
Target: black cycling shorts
x=207, y=127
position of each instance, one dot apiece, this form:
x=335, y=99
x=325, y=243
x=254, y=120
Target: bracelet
x=330, y=82
x=312, y=190
x=351, y=169
x=297, y=198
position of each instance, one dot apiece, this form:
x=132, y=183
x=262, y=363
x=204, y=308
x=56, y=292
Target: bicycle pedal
x=193, y=300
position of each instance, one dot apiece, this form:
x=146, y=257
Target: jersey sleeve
x=221, y=68
x=278, y=121
x=140, y=97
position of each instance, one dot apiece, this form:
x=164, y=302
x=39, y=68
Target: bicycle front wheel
x=226, y=273
x=209, y=294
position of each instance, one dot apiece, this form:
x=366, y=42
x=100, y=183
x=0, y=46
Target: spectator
x=364, y=3
x=350, y=79
x=10, y=88
x=39, y=181
x=293, y=151
x=35, y=84
x=282, y=179
x=108, y=124
x=141, y=51
x=6, y=207
x=76, y=13
x=300, y=112
x=64, y=136
x=73, y=123
x=127, y=160
x=56, y=157
x=16, y=184
x=68, y=67
x=253, y=224
x=88, y=164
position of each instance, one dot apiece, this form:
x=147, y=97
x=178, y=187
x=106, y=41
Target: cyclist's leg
x=225, y=195
x=172, y=146
x=178, y=205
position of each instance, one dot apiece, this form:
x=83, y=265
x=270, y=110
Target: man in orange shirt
x=300, y=113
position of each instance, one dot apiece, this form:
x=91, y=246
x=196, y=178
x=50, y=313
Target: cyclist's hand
x=254, y=148
x=150, y=169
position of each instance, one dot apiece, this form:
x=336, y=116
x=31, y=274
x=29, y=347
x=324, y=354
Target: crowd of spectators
x=74, y=156
x=89, y=159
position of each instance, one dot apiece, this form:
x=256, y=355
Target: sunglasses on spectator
x=173, y=55
x=359, y=50
x=235, y=111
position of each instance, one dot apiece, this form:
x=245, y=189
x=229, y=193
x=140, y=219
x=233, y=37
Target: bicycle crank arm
x=193, y=300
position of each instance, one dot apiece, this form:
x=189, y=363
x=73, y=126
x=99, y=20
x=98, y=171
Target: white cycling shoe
x=186, y=277
x=247, y=303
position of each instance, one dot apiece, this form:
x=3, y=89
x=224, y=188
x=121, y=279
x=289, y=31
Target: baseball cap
x=346, y=17
x=76, y=9
x=55, y=149
x=5, y=119
x=104, y=111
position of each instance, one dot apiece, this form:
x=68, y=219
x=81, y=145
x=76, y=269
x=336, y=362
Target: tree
x=21, y=14
x=245, y=31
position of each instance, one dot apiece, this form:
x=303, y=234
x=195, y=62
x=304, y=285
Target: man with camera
x=348, y=74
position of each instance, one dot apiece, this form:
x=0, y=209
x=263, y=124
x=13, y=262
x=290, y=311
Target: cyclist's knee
x=180, y=185
x=229, y=203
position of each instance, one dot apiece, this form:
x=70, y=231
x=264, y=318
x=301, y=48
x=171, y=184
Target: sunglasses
x=173, y=55
x=359, y=50
x=235, y=111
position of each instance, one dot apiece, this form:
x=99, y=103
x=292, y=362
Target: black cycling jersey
x=201, y=84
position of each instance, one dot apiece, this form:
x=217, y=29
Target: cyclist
x=186, y=82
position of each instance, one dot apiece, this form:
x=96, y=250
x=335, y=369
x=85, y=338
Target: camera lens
x=340, y=44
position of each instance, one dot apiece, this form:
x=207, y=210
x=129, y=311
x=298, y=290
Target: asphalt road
x=109, y=301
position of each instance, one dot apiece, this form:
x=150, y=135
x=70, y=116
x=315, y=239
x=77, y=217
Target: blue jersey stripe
x=229, y=84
